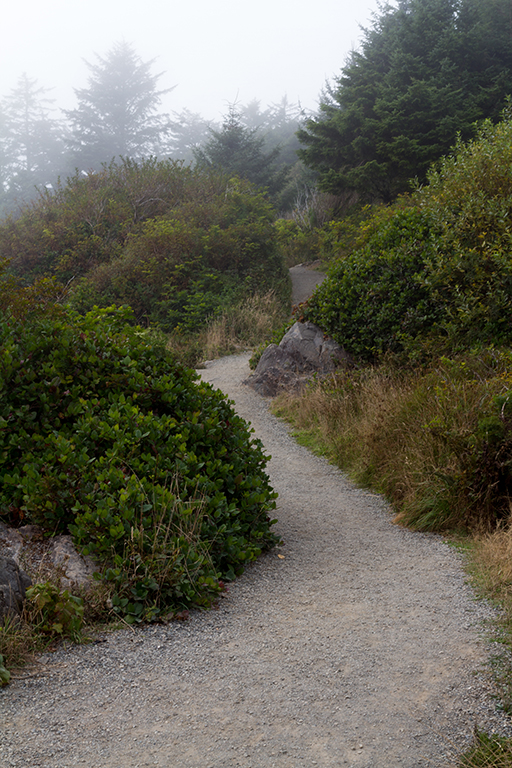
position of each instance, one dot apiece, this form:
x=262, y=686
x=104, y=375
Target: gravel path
x=356, y=644
x=304, y=281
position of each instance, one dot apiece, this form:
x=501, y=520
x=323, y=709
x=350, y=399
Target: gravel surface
x=357, y=643
x=304, y=281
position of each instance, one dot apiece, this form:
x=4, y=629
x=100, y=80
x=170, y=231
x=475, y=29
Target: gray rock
x=303, y=352
x=45, y=558
x=13, y=585
x=73, y=567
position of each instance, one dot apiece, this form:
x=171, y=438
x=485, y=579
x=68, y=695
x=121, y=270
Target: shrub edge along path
x=357, y=643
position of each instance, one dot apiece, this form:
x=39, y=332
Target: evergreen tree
x=426, y=70
x=239, y=151
x=32, y=149
x=188, y=131
x=117, y=113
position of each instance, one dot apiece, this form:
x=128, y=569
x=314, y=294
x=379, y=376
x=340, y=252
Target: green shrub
x=375, y=299
x=104, y=434
x=433, y=272
x=177, y=245
x=55, y=612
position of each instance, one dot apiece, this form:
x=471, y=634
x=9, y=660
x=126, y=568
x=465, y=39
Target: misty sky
x=215, y=53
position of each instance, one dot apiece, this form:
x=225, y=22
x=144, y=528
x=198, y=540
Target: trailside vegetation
x=432, y=272
x=105, y=435
x=176, y=244
x=425, y=71
x=422, y=300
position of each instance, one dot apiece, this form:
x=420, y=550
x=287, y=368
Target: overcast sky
x=215, y=53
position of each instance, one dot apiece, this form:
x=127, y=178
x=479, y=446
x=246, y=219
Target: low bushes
x=178, y=245
x=105, y=435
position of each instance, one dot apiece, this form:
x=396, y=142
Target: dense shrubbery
x=176, y=244
x=105, y=435
x=432, y=270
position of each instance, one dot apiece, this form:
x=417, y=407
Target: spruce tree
x=425, y=72
x=239, y=150
x=117, y=114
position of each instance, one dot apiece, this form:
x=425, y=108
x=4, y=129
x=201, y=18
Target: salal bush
x=105, y=435
x=433, y=271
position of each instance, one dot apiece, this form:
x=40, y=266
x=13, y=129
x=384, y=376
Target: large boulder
x=13, y=585
x=304, y=351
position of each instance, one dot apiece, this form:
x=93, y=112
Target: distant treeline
x=426, y=72
x=118, y=115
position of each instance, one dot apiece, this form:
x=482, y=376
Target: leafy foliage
x=104, y=434
x=426, y=70
x=178, y=245
x=432, y=271
x=55, y=612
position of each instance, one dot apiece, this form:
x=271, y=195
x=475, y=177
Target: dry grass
x=241, y=327
x=414, y=437
x=487, y=752
x=18, y=643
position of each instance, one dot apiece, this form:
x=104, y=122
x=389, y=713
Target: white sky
x=216, y=53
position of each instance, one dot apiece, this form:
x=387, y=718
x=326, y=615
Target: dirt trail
x=356, y=644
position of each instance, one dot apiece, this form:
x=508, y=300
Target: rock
x=312, y=350
x=303, y=352
x=46, y=558
x=13, y=585
x=73, y=567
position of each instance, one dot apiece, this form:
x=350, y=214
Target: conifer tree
x=32, y=149
x=425, y=72
x=117, y=114
x=239, y=150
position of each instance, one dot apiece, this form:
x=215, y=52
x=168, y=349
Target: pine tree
x=426, y=71
x=117, y=114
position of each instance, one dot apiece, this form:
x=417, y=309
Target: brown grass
x=241, y=327
x=414, y=437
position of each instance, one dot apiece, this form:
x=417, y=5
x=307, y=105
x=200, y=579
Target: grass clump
x=488, y=751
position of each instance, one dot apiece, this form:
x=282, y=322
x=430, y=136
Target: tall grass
x=243, y=326
x=437, y=443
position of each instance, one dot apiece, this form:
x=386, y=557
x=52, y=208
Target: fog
x=215, y=54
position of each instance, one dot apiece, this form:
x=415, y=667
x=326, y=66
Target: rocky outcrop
x=303, y=352
x=13, y=585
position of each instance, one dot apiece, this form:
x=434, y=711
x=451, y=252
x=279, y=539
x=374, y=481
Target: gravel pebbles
x=357, y=643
